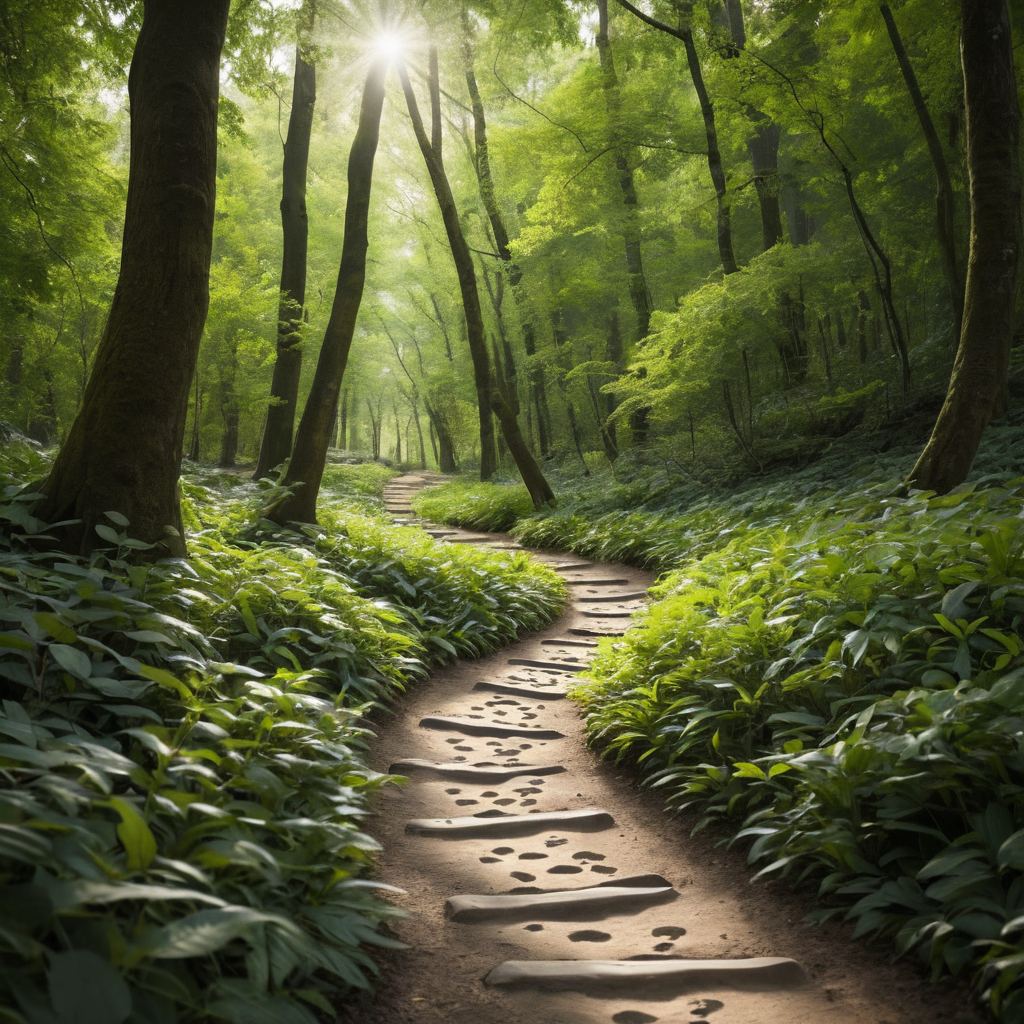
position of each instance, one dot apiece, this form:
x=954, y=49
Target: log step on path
x=542, y=885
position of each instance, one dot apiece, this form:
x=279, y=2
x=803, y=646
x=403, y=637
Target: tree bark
x=463, y=262
x=533, y=477
x=983, y=357
x=763, y=147
x=306, y=468
x=123, y=452
x=229, y=406
x=488, y=196
x=639, y=293
x=945, y=210
x=707, y=110
x=284, y=388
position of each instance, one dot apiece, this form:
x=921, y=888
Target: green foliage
x=182, y=772
x=838, y=679
x=492, y=507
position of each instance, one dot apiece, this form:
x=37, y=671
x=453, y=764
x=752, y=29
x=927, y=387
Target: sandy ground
x=712, y=912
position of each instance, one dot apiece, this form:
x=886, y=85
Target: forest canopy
x=712, y=235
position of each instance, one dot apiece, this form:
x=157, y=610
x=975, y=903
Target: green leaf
x=1011, y=853
x=207, y=931
x=49, y=622
x=108, y=534
x=164, y=678
x=85, y=989
x=72, y=660
x=954, y=603
x=135, y=835
x=117, y=519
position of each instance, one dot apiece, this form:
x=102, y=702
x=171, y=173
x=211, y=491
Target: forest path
x=560, y=892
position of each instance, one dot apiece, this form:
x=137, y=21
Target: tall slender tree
x=639, y=293
x=491, y=400
x=123, y=451
x=284, y=388
x=945, y=208
x=993, y=162
x=431, y=149
x=488, y=195
x=684, y=33
x=312, y=439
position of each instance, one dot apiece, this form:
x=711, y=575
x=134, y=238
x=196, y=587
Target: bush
x=475, y=506
x=839, y=679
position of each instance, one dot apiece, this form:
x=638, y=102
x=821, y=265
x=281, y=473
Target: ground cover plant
x=182, y=753
x=476, y=506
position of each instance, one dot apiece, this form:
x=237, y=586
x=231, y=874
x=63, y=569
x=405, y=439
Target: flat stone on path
x=469, y=727
x=593, y=903
x=756, y=974
x=557, y=666
x=591, y=820
x=521, y=691
x=472, y=773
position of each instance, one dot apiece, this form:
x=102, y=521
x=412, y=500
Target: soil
x=712, y=911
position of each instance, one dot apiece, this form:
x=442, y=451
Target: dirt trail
x=560, y=892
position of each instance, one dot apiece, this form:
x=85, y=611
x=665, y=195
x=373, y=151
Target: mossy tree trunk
x=123, y=451
x=983, y=357
x=313, y=437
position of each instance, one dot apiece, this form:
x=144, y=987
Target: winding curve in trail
x=543, y=886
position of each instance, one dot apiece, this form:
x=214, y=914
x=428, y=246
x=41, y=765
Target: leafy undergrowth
x=833, y=673
x=842, y=686
x=182, y=759
x=476, y=506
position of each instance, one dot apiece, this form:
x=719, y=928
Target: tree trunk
x=123, y=452
x=763, y=147
x=431, y=150
x=639, y=293
x=284, y=388
x=339, y=441
x=419, y=436
x=983, y=357
x=229, y=406
x=707, y=110
x=445, y=451
x=533, y=477
x=684, y=9
x=613, y=352
x=945, y=210
x=193, y=448
x=488, y=196
x=306, y=468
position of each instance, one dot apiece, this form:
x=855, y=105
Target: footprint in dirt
x=670, y=932
x=465, y=803
x=589, y=935
x=633, y=1017
x=705, y=1007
